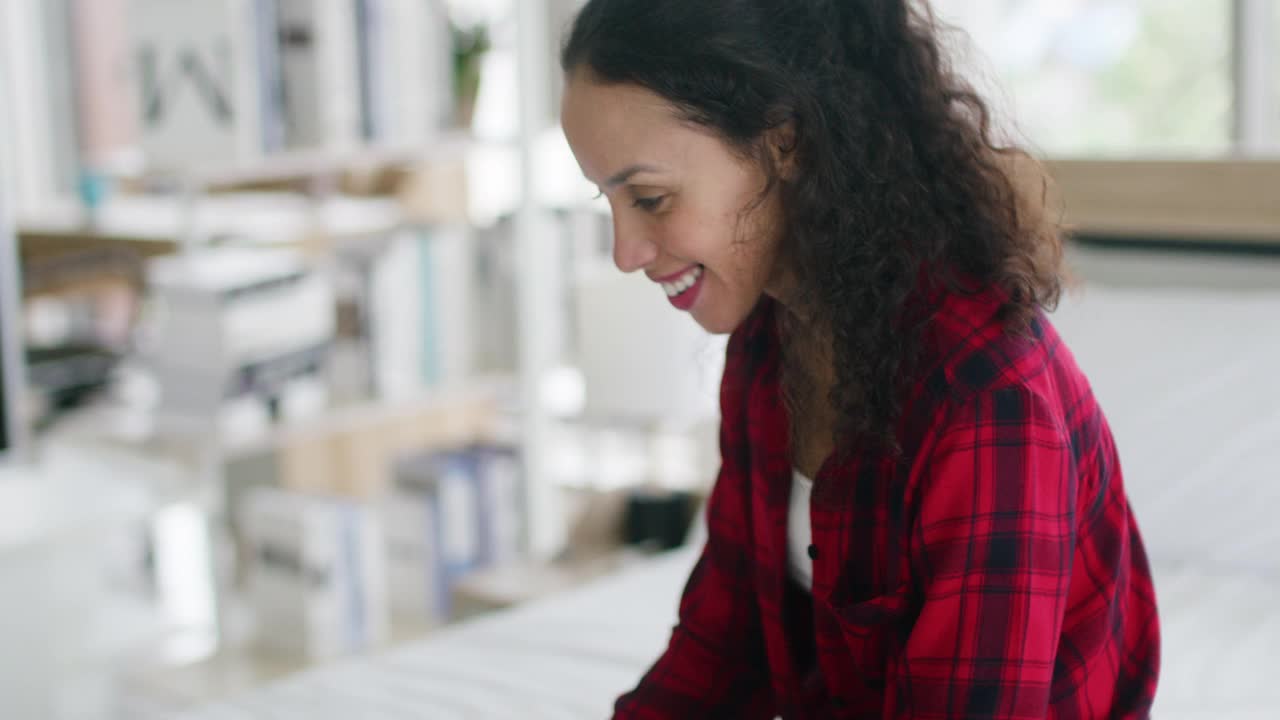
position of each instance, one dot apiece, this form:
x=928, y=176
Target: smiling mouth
x=683, y=283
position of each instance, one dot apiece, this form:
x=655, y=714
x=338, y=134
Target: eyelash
x=649, y=204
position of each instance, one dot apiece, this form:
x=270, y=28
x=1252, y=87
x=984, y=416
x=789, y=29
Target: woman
x=920, y=511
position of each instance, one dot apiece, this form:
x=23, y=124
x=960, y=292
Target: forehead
x=611, y=126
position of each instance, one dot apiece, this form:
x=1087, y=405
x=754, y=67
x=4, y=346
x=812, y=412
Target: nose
x=632, y=249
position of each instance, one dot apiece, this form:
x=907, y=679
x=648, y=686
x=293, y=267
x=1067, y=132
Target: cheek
x=689, y=237
x=738, y=250
x=752, y=249
x=763, y=238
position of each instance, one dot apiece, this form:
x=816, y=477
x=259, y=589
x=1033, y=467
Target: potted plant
x=469, y=47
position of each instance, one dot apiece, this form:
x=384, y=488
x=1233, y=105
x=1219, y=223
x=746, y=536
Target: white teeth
x=684, y=282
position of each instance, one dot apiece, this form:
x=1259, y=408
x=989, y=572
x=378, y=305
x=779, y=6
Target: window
x=1104, y=78
x=1272, y=49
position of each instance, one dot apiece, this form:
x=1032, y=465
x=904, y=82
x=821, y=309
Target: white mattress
x=1189, y=380
x=570, y=657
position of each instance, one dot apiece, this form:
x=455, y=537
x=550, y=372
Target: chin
x=721, y=320
x=715, y=327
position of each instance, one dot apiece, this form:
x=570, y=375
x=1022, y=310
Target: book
x=61, y=89
x=199, y=83
x=106, y=93
x=433, y=523
x=370, y=45
x=406, y=83
x=501, y=482
x=320, y=76
x=447, y=293
x=39, y=169
x=270, y=82
x=379, y=345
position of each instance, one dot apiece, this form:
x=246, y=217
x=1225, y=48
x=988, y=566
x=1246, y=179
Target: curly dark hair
x=900, y=182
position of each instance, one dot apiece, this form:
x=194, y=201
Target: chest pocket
x=872, y=633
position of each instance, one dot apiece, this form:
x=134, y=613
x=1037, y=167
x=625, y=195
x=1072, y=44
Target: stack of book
x=238, y=337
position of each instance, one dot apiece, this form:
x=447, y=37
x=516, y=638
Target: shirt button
x=813, y=552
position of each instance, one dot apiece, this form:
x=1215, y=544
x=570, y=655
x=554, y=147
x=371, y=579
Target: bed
x=1199, y=432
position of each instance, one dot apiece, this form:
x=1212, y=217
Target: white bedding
x=1189, y=380
x=570, y=657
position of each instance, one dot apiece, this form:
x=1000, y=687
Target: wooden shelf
x=296, y=169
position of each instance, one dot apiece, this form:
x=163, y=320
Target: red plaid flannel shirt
x=993, y=570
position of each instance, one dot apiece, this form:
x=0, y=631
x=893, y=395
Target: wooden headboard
x=1234, y=201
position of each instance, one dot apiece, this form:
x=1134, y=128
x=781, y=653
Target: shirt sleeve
x=715, y=664
x=992, y=545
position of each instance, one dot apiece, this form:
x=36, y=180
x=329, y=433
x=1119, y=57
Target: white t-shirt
x=799, y=533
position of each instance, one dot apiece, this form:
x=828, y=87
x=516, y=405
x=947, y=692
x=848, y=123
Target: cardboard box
x=353, y=453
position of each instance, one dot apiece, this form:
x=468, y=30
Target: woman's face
x=686, y=210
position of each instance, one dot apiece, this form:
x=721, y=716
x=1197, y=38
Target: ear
x=781, y=142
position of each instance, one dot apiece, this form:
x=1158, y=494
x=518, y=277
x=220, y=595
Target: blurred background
x=475, y=413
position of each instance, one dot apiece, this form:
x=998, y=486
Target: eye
x=650, y=204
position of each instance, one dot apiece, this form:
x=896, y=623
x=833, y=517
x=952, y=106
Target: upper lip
x=672, y=277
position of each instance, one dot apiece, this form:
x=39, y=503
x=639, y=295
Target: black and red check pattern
x=992, y=570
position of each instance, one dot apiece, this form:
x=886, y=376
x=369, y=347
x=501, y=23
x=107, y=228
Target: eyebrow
x=626, y=174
